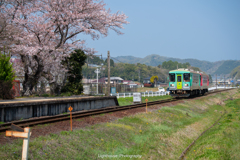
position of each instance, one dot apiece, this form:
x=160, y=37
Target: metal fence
x=91, y=88
x=144, y=94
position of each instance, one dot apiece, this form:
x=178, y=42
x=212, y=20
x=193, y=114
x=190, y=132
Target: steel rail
x=80, y=114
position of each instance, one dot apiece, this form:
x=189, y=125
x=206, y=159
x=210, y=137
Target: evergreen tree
x=6, y=77
x=111, y=63
x=74, y=64
x=174, y=65
x=94, y=60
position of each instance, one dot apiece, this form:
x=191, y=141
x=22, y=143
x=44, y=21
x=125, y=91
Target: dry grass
x=144, y=89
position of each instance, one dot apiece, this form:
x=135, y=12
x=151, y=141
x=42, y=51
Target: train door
x=179, y=81
x=201, y=80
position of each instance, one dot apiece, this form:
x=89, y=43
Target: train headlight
x=172, y=85
x=186, y=84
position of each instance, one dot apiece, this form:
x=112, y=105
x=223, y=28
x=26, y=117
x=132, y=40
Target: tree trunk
x=32, y=74
x=55, y=89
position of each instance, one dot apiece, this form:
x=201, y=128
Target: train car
x=204, y=84
x=185, y=83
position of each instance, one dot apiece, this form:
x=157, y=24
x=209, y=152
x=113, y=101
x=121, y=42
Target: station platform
x=24, y=108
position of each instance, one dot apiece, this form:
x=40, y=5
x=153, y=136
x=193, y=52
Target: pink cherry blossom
x=48, y=32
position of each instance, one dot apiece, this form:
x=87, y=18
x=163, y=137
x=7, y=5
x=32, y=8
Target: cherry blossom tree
x=49, y=30
x=6, y=30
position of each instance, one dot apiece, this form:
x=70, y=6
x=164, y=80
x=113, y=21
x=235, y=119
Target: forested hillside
x=235, y=73
x=227, y=66
x=128, y=72
x=170, y=65
x=219, y=67
x=135, y=72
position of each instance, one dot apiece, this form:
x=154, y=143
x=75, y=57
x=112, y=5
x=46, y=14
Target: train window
x=172, y=77
x=186, y=77
x=179, y=78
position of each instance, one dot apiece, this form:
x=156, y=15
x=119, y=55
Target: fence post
x=129, y=94
x=146, y=104
x=148, y=94
x=123, y=95
x=70, y=109
x=152, y=94
x=26, y=144
x=21, y=133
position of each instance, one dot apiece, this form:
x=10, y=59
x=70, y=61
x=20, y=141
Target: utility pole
x=216, y=81
x=97, y=71
x=97, y=79
x=139, y=75
x=108, y=87
x=87, y=60
x=224, y=82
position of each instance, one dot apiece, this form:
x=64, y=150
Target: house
x=127, y=81
x=100, y=81
x=147, y=83
x=114, y=80
x=238, y=81
x=85, y=80
x=130, y=83
x=93, y=65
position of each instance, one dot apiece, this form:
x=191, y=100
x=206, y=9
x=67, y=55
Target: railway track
x=80, y=114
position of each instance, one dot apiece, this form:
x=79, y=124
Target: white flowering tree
x=49, y=29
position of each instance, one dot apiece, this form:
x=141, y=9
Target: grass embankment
x=160, y=134
x=129, y=100
x=223, y=140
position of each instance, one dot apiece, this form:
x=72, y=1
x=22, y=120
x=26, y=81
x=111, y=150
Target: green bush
x=45, y=95
x=66, y=94
x=6, y=77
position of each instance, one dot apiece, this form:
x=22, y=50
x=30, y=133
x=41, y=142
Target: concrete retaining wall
x=16, y=110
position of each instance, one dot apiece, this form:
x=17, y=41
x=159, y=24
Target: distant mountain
x=235, y=73
x=128, y=59
x=227, y=67
x=219, y=67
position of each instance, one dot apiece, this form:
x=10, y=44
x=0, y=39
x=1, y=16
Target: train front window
x=172, y=77
x=186, y=77
x=179, y=79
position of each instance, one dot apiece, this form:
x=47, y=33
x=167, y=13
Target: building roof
x=127, y=81
x=114, y=78
x=93, y=65
x=101, y=80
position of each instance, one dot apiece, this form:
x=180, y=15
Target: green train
x=186, y=82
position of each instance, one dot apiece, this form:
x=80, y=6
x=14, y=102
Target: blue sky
x=200, y=29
